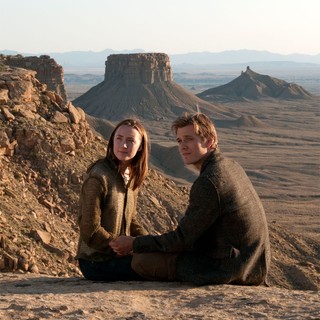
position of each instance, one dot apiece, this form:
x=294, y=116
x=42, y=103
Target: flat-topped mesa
x=146, y=68
x=48, y=70
x=141, y=85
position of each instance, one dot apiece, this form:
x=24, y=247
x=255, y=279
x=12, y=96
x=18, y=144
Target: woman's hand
x=122, y=245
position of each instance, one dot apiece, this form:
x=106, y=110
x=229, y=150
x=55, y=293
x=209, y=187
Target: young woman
x=108, y=203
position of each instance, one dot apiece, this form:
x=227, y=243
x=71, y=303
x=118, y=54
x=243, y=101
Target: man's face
x=191, y=147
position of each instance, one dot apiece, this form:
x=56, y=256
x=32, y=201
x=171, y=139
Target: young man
x=223, y=237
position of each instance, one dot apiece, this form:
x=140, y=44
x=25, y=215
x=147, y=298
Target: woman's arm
x=91, y=231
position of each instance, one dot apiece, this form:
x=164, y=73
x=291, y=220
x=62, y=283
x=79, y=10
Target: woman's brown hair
x=139, y=164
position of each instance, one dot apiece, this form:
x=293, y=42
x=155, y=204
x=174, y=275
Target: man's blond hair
x=203, y=127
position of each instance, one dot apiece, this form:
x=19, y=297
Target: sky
x=169, y=26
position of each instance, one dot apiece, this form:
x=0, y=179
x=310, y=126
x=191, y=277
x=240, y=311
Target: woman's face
x=126, y=143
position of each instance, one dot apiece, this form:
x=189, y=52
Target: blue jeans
x=117, y=269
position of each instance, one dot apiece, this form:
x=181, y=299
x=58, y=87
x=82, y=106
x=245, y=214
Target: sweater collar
x=211, y=157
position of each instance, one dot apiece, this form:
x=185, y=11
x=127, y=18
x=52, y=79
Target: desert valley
x=270, y=126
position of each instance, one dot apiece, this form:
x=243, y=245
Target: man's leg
x=155, y=266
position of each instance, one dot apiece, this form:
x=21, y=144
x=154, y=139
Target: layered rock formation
x=47, y=71
x=39, y=135
x=24, y=98
x=142, y=85
x=252, y=85
x=140, y=67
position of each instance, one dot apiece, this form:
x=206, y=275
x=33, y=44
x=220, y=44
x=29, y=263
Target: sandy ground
x=26, y=296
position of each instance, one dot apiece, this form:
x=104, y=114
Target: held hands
x=122, y=245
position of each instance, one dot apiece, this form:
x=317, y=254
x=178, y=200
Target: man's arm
x=203, y=210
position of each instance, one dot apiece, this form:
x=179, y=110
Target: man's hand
x=122, y=246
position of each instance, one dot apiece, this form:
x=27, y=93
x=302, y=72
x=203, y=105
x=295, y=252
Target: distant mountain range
x=90, y=59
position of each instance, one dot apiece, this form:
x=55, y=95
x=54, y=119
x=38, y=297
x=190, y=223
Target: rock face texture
x=142, y=85
x=252, y=85
x=143, y=68
x=47, y=71
x=24, y=98
x=40, y=134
